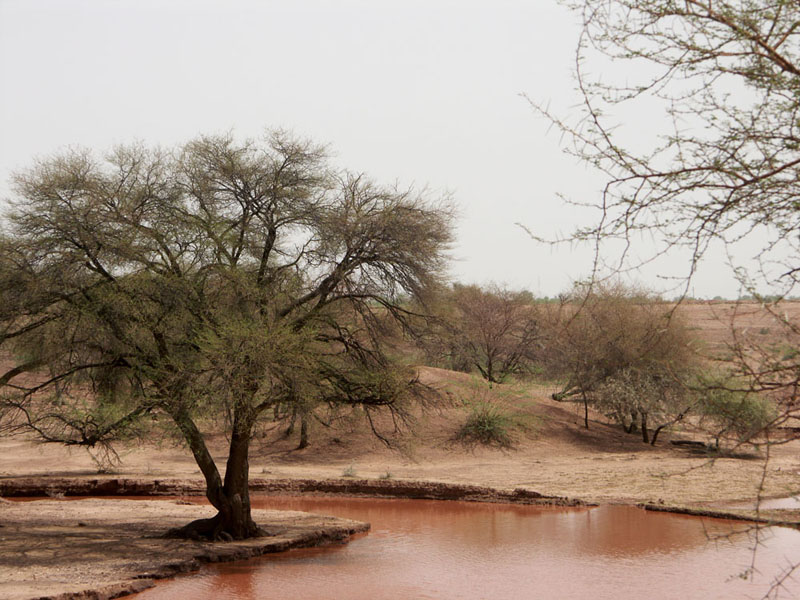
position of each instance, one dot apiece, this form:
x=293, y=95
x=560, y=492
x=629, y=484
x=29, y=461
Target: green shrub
x=486, y=424
x=733, y=412
x=790, y=353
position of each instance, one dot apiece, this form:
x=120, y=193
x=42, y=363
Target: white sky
x=424, y=92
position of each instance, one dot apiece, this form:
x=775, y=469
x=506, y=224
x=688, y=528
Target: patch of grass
x=790, y=353
x=486, y=424
x=350, y=471
x=387, y=475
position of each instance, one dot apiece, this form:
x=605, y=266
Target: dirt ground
x=552, y=454
x=558, y=458
x=53, y=547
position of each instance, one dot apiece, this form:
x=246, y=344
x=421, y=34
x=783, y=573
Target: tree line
x=618, y=349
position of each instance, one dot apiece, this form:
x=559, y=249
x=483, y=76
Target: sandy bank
x=102, y=549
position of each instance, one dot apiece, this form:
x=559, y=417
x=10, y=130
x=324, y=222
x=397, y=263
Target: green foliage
x=605, y=329
x=486, y=424
x=623, y=349
x=729, y=409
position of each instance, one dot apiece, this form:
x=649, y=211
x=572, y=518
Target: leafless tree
x=491, y=329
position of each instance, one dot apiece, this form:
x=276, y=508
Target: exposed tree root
x=216, y=529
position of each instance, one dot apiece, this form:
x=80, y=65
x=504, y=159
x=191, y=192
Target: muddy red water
x=458, y=550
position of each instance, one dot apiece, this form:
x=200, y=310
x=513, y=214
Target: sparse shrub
x=350, y=471
x=790, y=353
x=486, y=424
x=729, y=410
x=387, y=475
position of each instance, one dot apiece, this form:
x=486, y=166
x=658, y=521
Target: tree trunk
x=290, y=429
x=634, y=416
x=234, y=516
x=655, y=434
x=645, y=437
x=233, y=520
x=303, y=432
x=585, y=411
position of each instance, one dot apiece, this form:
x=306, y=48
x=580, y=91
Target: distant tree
x=216, y=284
x=621, y=348
x=491, y=329
x=649, y=396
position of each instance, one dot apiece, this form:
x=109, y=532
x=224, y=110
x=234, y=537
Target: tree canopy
x=210, y=283
x=623, y=350
x=491, y=329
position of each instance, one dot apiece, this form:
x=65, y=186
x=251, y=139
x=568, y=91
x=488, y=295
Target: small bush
x=730, y=412
x=349, y=471
x=486, y=424
x=790, y=353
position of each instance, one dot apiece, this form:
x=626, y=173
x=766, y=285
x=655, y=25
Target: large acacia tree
x=215, y=283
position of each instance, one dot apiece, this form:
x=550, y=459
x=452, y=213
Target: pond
x=460, y=550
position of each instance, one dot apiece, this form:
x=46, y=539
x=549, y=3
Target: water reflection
x=429, y=549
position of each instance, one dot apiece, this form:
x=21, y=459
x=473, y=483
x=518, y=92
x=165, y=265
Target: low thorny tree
x=491, y=329
x=219, y=283
x=623, y=350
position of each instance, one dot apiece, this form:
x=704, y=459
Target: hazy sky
x=420, y=92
